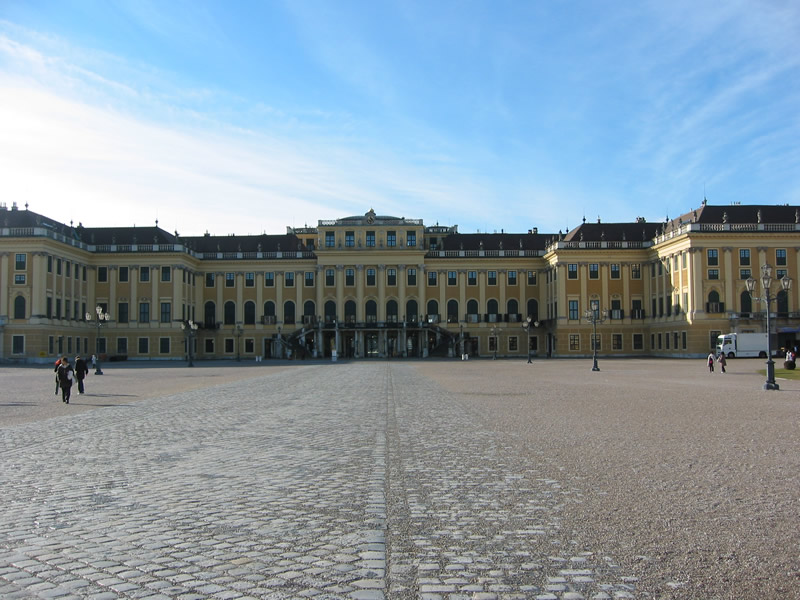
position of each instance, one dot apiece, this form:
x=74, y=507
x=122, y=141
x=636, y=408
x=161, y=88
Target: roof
x=495, y=241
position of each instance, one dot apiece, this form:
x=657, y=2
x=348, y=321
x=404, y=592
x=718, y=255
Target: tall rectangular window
x=411, y=239
x=349, y=277
x=452, y=278
x=309, y=278
x=349, y=239
x=616, y=341
x=573, y=310
x=20, y=262
x=102, y=274
x=574, y=342
x=713, y=257
x=636, y=271
x=391, y=239
x=330, y=279
x=288, y=279
x=411, y=277
x=144, y=345
x=330, y=239
x=572, y=271
x=250, y=279
x=432, y=279
x=166, y=274
x=122, y=312
x=472, y=278
x=594, y=271
x=230, y=280
x=144, y=274
x=491, y=278
x=210, y=280
x=391, y=277
x=780, y=257
x=269, y=279
x=163, y=345
x=370, y=276
x=614, y=271
x=166, y=312
x=531, y=277
x=370, y=239
x=144, y=312
x=123, y=274
x=512, y=278
x=18, y=344
x=744, y=257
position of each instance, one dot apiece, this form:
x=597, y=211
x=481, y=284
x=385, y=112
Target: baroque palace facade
x=373, y=286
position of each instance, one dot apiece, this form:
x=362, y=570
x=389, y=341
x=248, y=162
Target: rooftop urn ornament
x=725, y=217
x=796, y=215
x=758, y=215
x=581, y=236
x=501, y=244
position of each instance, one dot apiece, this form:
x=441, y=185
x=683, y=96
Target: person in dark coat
x=65, y=374
x=81, y=370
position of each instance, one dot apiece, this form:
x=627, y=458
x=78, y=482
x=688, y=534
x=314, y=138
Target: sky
x=250, y=116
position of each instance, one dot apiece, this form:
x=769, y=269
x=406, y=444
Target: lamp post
x=767, y=299
x=594, y=316
x=461, y=339
x=495, y=333
x=238, y=331
x=98, y=318
x=189, y=331
x=529, y=322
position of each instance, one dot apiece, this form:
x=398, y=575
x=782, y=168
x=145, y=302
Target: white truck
x=742, y=345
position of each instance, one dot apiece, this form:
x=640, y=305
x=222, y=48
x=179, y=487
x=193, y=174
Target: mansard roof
x=738, y=213
x=613, y=232
x=244, y=243
x=495, y=241
x=124, y=235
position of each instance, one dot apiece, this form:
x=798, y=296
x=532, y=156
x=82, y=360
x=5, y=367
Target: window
x=230, y=280
x=250, y=279
x=309, y=278
x=350, y=277
x=391, y=239
x=166, y=312
x=492, y=278
x=432, y=278
x=638, y=341
x=411, y=239
x=513, y=344
x=269, y=279
x=675, y=263
x=452, y=278
x=249, y=313
x=411, y=277
x=713, y=273
x=166, y=274
x=370, y=239
x=144, y=312
x=349, y=239
x=572, y=271
x=391, y=276
x=370, y=276
x=712, y=257
x=123, y=274
x=19, y=307
x=780, y=257
x=288, y=279
x=49, y=264
x=636, y=271
x=122, y=312
x=616, y=341
x=594, y=271
x=102, y=273
x=531, y=277
x=20, y=262
x=744, y=257
x=683, y=340
x=209, y=280
x=249, y=345
x=330, y=239
x=597, y=342
x=781, y=273
x=122, y=345
x=19, y=278
x=144, y=345
x=18, y=344
x=229, y=313
x=208, y=347
x=330, y=278
x=614, y=271
x=512, y=278
x=573, y=310
x=163, y=345
x=744, y=273
x=574, y=342
x=144, y=274
x=59, y=266
x=472, y=278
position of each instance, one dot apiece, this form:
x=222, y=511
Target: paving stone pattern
x=360, y=481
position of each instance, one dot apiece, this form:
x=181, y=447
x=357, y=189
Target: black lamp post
x=594, y=316
x=495, y=335
x=98, y=318
x=189, y=330
x=529, y=322
x=461, y=339
x=238, y=331
x=767, y=299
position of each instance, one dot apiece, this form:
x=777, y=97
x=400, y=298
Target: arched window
x=491, y=307
x=330, y=311
x=412, y=312
x=288, y=312
x=209, y=315
x=230, y=313
x=746, y=302
x=452, y=311
x=533, y=309
x=512, y=307
x=309, y=310
x=433, y=311
x=472, y=307
x=391, y=311
x=782, y=303
x=19, y=307
x=249, y=313
x=372, y=311
x=714, y=305
x=269, y=308
x=350, y=311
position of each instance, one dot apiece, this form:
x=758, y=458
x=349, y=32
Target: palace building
x=376, y=286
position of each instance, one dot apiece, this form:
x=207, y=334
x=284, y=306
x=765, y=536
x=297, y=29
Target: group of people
x=716, y=358
x=66, y=373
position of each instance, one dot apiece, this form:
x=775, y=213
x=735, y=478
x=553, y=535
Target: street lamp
x=189, y=330
x=461, y=339
x=529, y=322
x=98, y=317
x=594, y=316
x=495, y=333
x=766, y=283
x=238, y=331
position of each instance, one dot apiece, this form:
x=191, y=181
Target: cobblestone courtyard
x=368, y=480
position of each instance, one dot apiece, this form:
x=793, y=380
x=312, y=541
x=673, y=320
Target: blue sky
x=245, y=117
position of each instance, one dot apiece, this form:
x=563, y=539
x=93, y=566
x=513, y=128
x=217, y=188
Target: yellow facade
x=372, y=286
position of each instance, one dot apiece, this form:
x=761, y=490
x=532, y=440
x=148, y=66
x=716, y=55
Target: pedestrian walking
x=58, y=362
x=94, y=361
x=722, y=361
x=81, y=370
x=65, y=374
x=710, y=362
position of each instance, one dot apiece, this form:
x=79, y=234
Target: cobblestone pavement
x=365, y=480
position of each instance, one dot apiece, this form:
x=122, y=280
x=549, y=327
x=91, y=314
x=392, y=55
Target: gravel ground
x=689, y=479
